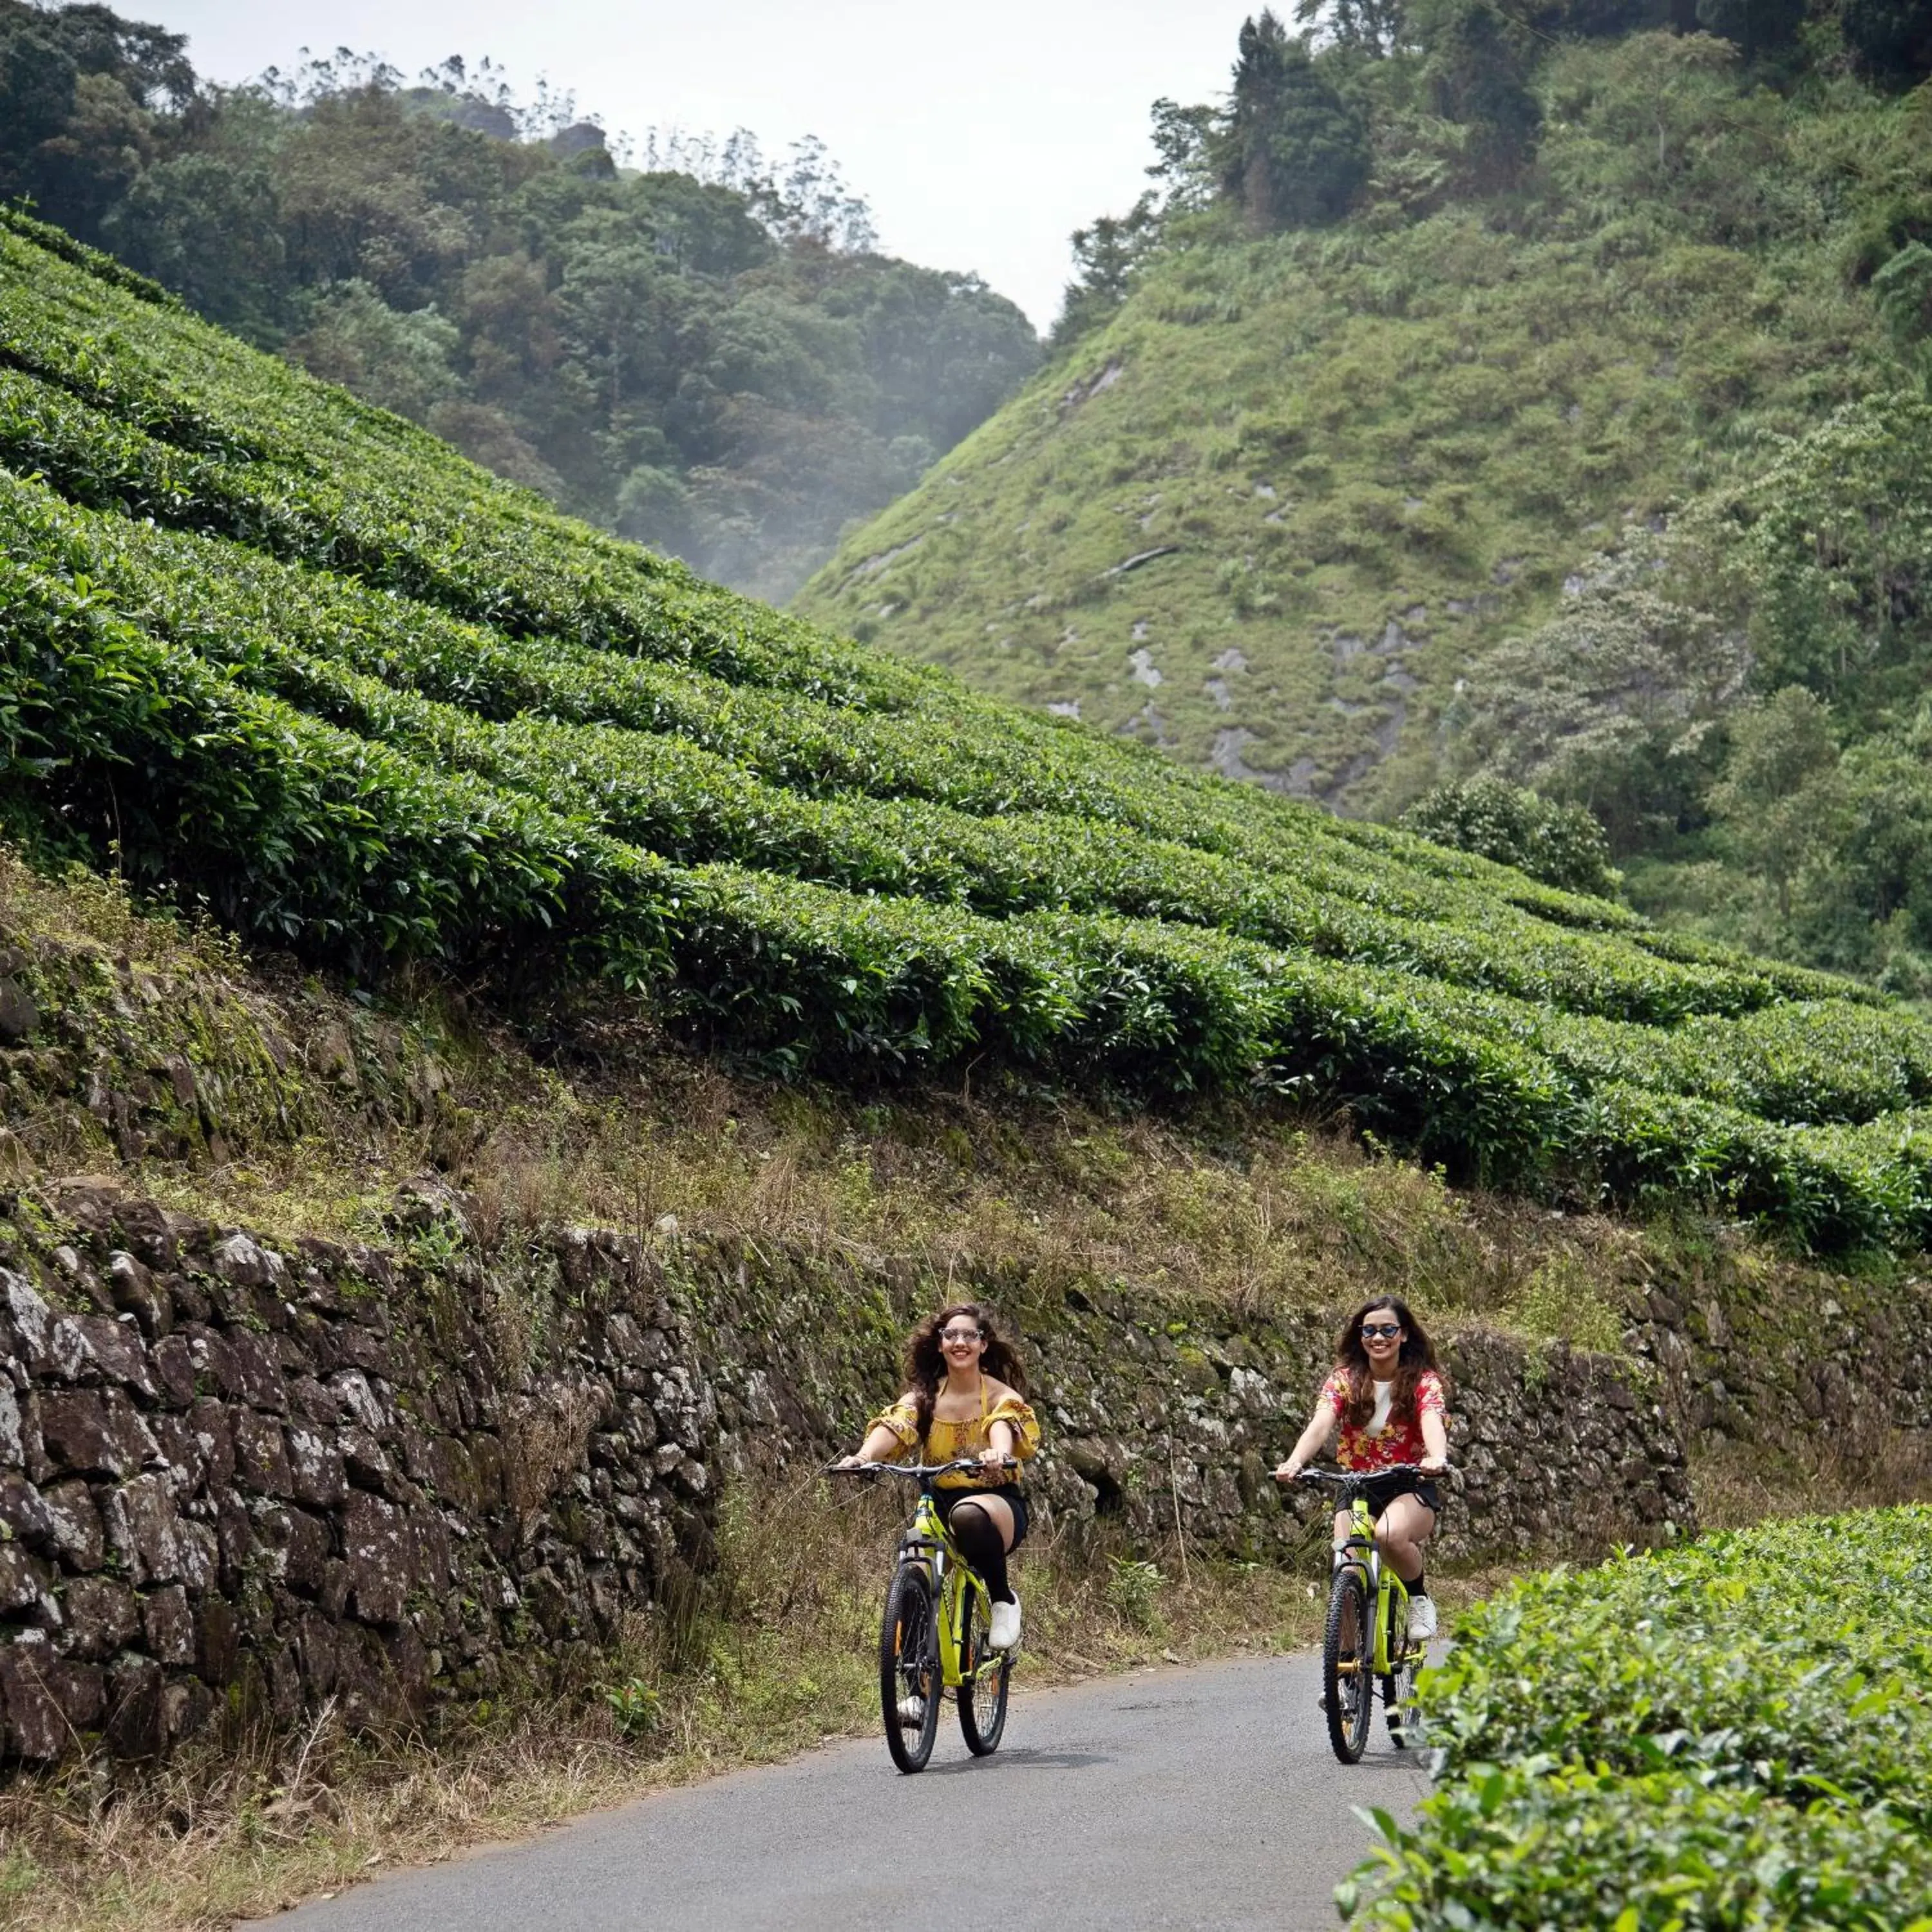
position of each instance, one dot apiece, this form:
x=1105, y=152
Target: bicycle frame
x=1358, y=1548
x=928, y=1541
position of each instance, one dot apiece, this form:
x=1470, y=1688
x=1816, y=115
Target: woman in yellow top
x=966, y=1397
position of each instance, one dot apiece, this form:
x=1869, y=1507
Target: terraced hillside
x=1300, y=485
x=290, y=657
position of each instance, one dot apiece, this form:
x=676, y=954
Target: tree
x=209, y=229
x=1561, y=844
x=1774, y=804
x=1478, y=66
x=1890, y=40
x=1108, y=259
x=1757, y=27
x=1290, y=151
x=1618, y=704
x=1372, y=27
x=1827, y=552
x=402, y=362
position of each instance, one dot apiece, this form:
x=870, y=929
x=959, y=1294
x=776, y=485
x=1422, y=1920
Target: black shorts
x=1383, y=1490
x=1009, y=1493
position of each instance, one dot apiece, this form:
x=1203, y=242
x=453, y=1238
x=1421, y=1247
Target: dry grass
x=777, y=1656
x=1739, y=1483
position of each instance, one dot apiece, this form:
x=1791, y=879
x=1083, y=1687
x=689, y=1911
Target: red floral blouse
x=1400, y=1439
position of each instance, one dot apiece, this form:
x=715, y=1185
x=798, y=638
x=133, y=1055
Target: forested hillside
x=289, y=659
x=688, y=344
x=1537, y=400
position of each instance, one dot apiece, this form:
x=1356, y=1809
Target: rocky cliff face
x=233, y=1473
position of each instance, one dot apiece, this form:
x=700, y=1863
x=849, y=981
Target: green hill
x=1302, y=483
x=290, y=659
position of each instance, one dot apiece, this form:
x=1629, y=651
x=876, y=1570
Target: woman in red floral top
x=1387, y=1394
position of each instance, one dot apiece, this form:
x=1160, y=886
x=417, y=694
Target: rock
x=13, y=1443
x=144, y=1533
x=377, y=1547
x=24, y=1579
x=317, y=1474
x=76, y=1532
x=19, y=1013
x=137, y=1714
x=261, y=1456
x=26, y=1322
x=101, y=1615
x=86, y=1347
x=24, y=1512
x=144, y=1231
x=95, y=1433
x=175, y=1369
x=132, y=1284
x=217, y=1641
x=241, y=1262
x=35, y=1727
x=169, y=1625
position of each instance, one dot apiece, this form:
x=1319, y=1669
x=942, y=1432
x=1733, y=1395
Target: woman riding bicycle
x=966, y=1397
x=1387, y=1395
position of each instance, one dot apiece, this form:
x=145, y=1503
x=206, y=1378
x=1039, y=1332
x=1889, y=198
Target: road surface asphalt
x=1203, y=1796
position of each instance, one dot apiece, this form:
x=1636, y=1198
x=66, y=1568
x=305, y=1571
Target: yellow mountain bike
x=1366, y=1636
x=933, y=1639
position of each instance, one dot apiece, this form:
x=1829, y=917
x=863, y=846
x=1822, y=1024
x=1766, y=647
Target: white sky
x=981, y=136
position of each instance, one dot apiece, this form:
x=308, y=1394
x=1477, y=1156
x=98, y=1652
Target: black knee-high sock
x=1419, y=1588
x=980, y=1544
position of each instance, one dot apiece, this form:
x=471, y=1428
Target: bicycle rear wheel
x=1347, y=1653
x=909, y=1676
x=984, y=1675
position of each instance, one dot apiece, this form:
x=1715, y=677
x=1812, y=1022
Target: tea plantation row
x=1735, y=1735
x=288, y=655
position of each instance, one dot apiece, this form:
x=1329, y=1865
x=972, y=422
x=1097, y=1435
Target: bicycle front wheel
x=1347, y=1661
x=984, y=1675
x=909, y=1676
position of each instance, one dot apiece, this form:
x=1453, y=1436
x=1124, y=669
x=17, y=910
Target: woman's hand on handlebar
x=853, y=1462
x=1433, y=1466
x=1287, y=1471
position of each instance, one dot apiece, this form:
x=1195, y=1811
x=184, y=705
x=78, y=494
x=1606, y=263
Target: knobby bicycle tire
x=982, y=1699
x=909, y=1667
x=1348, y=1654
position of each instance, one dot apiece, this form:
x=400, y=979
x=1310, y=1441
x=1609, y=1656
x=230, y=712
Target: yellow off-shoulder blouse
x=948, y=1441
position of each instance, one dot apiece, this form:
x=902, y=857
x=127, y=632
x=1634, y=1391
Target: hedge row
x=691, y=790
x=514, y=745
x=1735, y=1735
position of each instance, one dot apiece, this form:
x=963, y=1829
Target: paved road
x=1191, y=1797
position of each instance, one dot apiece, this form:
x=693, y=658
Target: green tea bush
x=265, y=648
x=1734, y=1734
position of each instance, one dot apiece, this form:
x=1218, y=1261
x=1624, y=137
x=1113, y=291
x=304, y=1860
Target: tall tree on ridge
x=1291, y=151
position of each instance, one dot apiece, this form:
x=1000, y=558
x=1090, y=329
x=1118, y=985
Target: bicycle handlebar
x=918, y=1471
x=1342, y=1479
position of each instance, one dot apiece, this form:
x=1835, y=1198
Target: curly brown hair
x=1418, y=1353
x=925, y=1361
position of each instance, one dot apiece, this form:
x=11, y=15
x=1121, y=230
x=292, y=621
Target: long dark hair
x=925, y=1361
x=1418, y=1353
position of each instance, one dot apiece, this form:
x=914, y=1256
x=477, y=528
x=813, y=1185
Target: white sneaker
x=1004, y=1634
x=912, y=1710
x=1421, y=1619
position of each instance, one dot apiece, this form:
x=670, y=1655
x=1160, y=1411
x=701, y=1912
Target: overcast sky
x=982, y=136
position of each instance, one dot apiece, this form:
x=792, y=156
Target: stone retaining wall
x=230, y=1473
x=226, y=1470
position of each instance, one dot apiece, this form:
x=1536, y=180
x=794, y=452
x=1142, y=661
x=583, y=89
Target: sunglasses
x=1373, y=1331
x=963, y=1337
